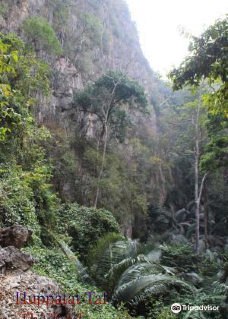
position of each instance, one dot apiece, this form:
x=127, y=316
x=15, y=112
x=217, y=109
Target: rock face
x=96, y=36
x=16, y=279
x=18, y=282
x=16, y=236
x=13, y=258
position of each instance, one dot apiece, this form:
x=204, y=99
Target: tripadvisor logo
x=176, y=308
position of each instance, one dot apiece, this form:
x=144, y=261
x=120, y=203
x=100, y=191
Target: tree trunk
x=205, y=217
x=102, y=164
x=197, y=200
x=198, y=209
x=198, y=191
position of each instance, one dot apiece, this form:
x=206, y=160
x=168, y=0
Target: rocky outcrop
x=16, y=279
x=12, y=258
x=17, y=236
x=11, y=240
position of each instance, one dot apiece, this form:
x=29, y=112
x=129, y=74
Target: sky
x=159, y=22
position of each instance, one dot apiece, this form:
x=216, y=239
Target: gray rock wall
x=84, y=58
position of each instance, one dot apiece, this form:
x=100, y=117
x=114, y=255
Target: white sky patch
x=159, y=21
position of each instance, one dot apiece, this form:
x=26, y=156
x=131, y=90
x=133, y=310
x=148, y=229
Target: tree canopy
x=207, y=59
x=106, y=99
x=41, y=34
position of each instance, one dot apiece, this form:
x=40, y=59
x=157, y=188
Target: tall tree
x=108, y=100
x=194, y=116
x=198, y=190
x=208, y=61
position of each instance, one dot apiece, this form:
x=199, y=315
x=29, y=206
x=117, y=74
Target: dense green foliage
x=41, y=35
x=85, y=225
x=205, y=71
x=21, y=75
x=146, y=183
x=207, y=60
x=149, y=278
x=55, y=265
x=26, y=195
x=105, y=98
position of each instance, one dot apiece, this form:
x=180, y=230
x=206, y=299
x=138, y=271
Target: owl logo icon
x=176, y=308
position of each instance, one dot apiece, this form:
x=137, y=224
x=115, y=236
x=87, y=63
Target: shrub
x=39, y=32
x=85, y=225
x=178, y=256
x=4, y=8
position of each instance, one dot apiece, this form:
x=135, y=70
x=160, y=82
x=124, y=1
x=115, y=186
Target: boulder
x=29, y=282
x=12, y=258
x=16, y=236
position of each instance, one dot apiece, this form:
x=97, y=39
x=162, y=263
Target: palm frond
x=119, y=268
x=194, y=314
x=137, y=271
x=136, y=289
x=154, y=255
x=110, y=258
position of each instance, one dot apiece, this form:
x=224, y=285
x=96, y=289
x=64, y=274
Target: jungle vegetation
x=145, y=218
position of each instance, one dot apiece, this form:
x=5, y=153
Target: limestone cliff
x=96, y=36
